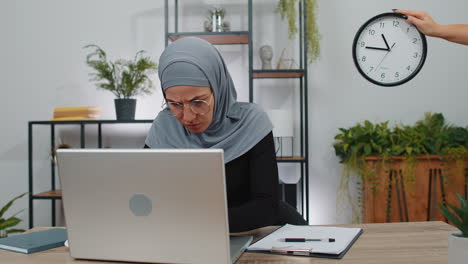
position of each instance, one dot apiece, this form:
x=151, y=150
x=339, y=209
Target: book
x=315, y=241
x=35, y=241
x=77, y=108
x=73, y=111
x=73, y=118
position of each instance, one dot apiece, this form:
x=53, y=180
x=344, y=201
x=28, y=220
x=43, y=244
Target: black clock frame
x=412, y=75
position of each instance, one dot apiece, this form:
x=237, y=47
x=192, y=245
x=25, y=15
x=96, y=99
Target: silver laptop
x=147, y=206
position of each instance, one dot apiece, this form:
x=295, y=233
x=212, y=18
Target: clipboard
x=346, y=236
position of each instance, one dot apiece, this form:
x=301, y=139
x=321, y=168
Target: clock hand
x=378, y=65
x=386, y=44
x=368, y=47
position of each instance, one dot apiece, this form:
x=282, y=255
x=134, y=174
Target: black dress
x=252, y=190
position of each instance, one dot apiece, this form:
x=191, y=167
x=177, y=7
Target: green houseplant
x=124, y=78
x=7, y=224
x=287, y=9
x=457, y=243
x=426, y=138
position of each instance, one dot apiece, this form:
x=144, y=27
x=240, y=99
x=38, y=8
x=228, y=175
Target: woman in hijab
x=202, y=112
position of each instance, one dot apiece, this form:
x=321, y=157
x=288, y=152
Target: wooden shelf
x=216, y=38
x=54, y=194
x=290, y=159
x=419, y=157
x=273, y=74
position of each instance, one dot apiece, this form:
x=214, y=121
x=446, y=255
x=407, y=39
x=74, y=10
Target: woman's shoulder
x=242, y=110
x=253, y=106
x=252, y=109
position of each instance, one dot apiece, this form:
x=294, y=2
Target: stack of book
x=76, y=113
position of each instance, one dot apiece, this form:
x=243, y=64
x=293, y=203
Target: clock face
x=389, y=51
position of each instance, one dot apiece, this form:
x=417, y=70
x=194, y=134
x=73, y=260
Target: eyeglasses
x=200, y=107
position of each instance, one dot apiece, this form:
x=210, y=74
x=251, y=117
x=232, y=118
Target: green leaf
x=457, y=210
x=124, y=78
x=345, y=147
x=463, y=202
x=450, y=216
x=409, y=150
x=367, y=150
x=10, y=222
x=459, y=216
x=8, y=205
x=11, y=231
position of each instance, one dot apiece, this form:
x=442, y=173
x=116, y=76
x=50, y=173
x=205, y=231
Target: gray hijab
x=236, y=126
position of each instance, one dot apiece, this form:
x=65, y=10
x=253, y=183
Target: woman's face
x=185, y=101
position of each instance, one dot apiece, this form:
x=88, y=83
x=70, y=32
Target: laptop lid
x=145, y=205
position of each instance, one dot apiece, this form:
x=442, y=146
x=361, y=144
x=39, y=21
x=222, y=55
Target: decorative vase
x=217, y=22
x=457, y=249
x=125, y=108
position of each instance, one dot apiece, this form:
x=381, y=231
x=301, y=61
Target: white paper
x=343, y=237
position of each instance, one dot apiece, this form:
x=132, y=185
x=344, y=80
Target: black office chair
x=289, y=215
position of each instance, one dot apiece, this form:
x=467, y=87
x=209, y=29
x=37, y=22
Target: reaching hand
x=422, y=20
x=457, y=33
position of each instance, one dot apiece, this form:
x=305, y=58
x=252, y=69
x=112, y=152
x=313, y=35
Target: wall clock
x=389, y=51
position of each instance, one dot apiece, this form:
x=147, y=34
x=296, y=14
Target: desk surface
x=417, y=242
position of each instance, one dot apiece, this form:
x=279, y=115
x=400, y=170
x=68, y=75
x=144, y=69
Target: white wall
x=42, y=66
x=340, y=97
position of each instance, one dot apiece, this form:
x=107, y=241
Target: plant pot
x=399, y=198
x=125, y=109
x=457, y=249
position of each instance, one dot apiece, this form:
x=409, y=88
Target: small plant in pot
x=457, y=242
x=124, y=78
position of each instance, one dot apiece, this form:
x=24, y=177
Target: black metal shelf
x=55, y=194
x=109, y=121
x=246, y=37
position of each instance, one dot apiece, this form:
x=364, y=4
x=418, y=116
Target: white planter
x=457, y=249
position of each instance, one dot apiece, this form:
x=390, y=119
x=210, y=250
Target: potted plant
x=287, y=8
x=124, y=78
x=6, y=225
x=457, y=242
x=402, y=169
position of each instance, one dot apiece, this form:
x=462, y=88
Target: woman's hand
x=457, y=33
x=423, y=21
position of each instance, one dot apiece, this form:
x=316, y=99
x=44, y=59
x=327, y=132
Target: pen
x=308, y=239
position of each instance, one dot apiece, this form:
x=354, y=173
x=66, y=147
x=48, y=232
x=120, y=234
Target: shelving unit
x=217, y=38
x=277, y=74
x=53, y=194
x=245, y=38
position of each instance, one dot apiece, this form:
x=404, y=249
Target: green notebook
x=35, y=241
